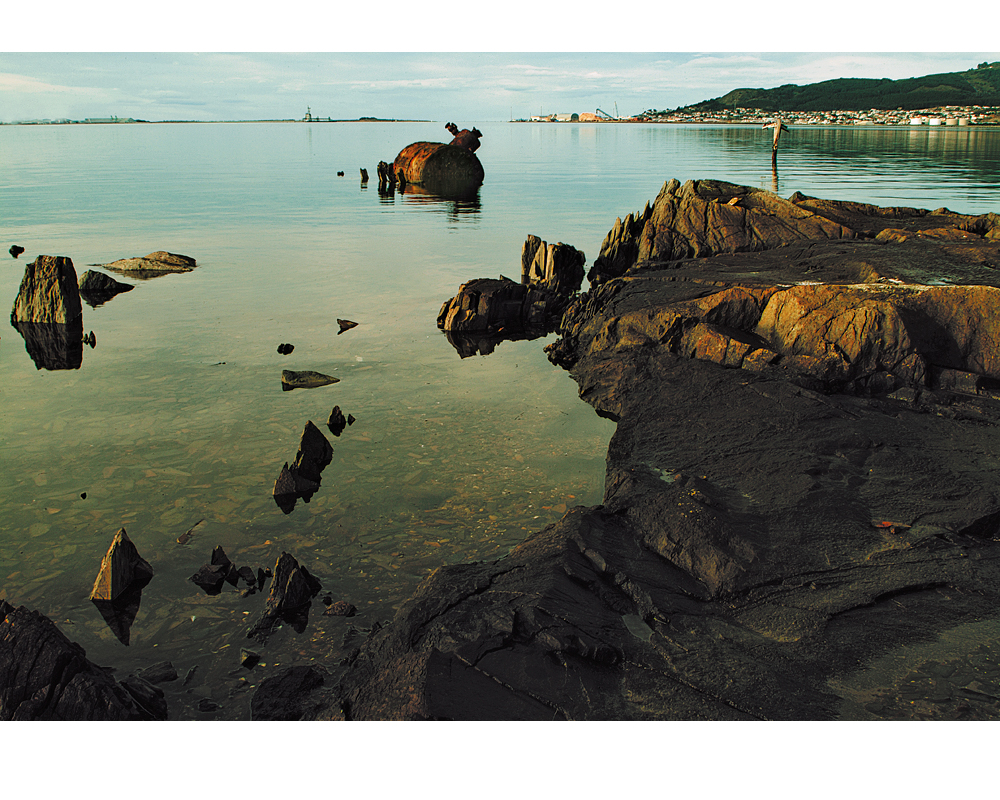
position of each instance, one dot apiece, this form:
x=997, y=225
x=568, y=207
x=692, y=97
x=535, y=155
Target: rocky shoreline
x=802, y=481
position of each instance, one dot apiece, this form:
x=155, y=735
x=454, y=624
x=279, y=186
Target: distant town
x=947, y=115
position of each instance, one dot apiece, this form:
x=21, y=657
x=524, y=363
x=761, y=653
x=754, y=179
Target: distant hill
x=979, y=86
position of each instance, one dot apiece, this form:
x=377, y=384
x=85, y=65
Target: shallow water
x=177, y=416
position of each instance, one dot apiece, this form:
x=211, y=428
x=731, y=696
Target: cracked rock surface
x=803, y=482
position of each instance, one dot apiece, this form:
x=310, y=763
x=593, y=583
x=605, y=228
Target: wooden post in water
x=778, y=126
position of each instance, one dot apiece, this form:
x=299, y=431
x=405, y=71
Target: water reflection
x=121, y=612
x=483, y=344
x=55, y=345
x=457, y=201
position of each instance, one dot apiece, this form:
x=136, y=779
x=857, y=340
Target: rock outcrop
x=291, y=594
x=157, y=263
x=486, y=310
x=45, y=676
x=96, y=288
x=49, y=293
x=802, y=481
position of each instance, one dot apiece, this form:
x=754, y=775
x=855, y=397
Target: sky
x=469, y=63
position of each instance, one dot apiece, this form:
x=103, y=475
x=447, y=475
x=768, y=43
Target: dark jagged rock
x=161, y=672
x=15, y=250
x=557, y=268
x=486, y=312
x=314, y=454
x=292, y=590
x=302, y=478
x=49, y=293
x=210, y=577
x=345, y=325
x=364, y=175
x=285, y=349
x=148, y=697
x=289, y=695
x=96, y=288
x=802, y=481
x=337, y=422
x=249, y=658
x=45, y=676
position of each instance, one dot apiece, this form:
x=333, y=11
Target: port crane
x=606, y=115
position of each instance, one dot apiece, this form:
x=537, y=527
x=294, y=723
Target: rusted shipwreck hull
x=439, y=167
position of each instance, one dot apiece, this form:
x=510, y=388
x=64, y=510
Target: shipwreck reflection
x=55, y=345
x=457, y=202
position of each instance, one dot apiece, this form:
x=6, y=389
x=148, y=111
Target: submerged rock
x=307, y=379
x=159, y=262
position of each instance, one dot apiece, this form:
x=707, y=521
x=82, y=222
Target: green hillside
x=979, y=86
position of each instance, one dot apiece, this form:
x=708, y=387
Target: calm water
x=177, y=417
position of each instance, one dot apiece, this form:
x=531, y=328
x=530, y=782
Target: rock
x=157, y=263
x=289, y=695
x=161, y=672
x=733, y=570
x=345, y=325
x=49, y=293
x=15, y=250
x=336, y=423
x=487, y=311
x=695, y=220
x=43, y=675
x=285, y=349
x=248, y=658
x=122, y=568
x=340, y=608
x=292, y=590
x=340, y=174
x=556, y=267
x=364, y=175
x=148, y=697
x=210, y=577
x=307, y=379
x=313, y=455
x=206, y=706
x=97, y=288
